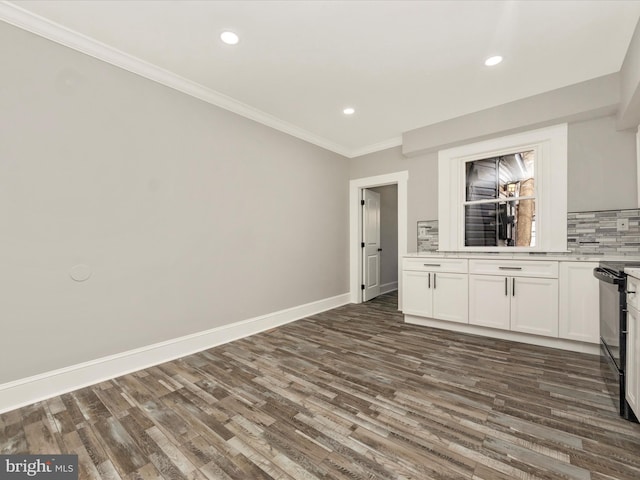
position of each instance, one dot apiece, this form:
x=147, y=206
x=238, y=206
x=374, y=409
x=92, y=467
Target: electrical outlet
x=623, y=224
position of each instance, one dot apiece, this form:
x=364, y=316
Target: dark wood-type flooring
x=350, y=393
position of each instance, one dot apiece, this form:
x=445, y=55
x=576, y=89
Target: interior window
x=505, y=194
x=499, y=204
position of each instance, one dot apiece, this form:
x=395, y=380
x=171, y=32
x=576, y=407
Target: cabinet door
x=450, y=297
x=534, y=305
x=416, y=294
x=579, y=302
x=633, y=357
x=489, y=301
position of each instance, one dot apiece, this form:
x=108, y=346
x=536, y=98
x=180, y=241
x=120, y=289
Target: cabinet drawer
x=515, y=268
x=427, y=264
x=633, y=285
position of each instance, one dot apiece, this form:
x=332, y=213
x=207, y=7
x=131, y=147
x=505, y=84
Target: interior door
x=371, y=241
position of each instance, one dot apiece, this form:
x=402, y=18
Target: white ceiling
x=401, y=64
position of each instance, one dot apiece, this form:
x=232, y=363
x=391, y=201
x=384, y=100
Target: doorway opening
x=357, y=187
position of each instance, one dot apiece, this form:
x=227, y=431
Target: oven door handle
x=605, y=276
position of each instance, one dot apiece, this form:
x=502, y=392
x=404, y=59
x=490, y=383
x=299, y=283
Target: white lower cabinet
x=428, y=291
x=521, y=296
x=579, y=302
x=489, y=301
x=450, y=297
x=542, y=297
x=435, y=295
x=520, y=304
x=632, y=388
x=416, y=294
x=534, y=305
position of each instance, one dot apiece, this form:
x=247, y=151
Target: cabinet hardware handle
x=434, y=281
x=510, y=268
x=624, y=332
x=513, y=287
x=429, y=280
x=431, y=264
x=630, y=292
x=506, y=286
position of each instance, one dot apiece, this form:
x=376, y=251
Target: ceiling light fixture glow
x=492, y=61
x=229, y=38
x=349, y=111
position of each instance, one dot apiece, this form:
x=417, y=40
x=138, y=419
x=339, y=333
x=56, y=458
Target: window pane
x=482, y=179
x=481, y=225
x=503, y=224
x=505, y=176
x=516, y=175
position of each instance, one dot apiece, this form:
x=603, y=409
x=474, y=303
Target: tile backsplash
x=428, y=236
x=597, y=232
x=593, y=233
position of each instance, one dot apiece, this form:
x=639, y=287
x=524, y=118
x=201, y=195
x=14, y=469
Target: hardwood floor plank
x=89, y=404
x=113, y=400
x=86, y=468
x=120, y=447
x=92, y=445
x=108, y=471
x=13, y=439
x=40, y=438
x=148, y=472
x=172, y=452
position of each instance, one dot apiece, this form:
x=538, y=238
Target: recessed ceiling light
x=491, y=61
x=349, y=111
x=229, y=38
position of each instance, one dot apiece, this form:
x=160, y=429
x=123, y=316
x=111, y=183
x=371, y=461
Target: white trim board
x=638, y=164
x=26, y=20
x=39, y=387
x=583, y=347
x=355, y=226
x=388, y=287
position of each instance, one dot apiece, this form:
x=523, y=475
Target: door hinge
x=361, y=244
x=362, y=287
x=361, y=202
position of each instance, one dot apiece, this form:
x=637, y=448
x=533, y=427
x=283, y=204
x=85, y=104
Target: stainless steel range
x=613, y=330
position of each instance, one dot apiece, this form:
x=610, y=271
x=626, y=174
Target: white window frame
x=550, y=146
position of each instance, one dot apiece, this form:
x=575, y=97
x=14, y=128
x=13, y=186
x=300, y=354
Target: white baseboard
x=560, y=343
x=25, y=391
x=388, y=287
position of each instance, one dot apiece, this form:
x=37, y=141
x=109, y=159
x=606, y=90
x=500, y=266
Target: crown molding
x=21, y=18
x=375, y=147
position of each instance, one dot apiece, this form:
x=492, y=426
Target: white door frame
x=355, y=227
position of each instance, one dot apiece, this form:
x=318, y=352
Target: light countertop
x=634, y=272
x=568, y=257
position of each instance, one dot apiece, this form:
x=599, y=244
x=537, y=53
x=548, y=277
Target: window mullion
x=499, y=200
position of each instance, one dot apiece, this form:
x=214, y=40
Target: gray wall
x=189, y=217
x=602, y=166
x=594, y=98
x=602, y=172
x=388, y=233
x=629, y=112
